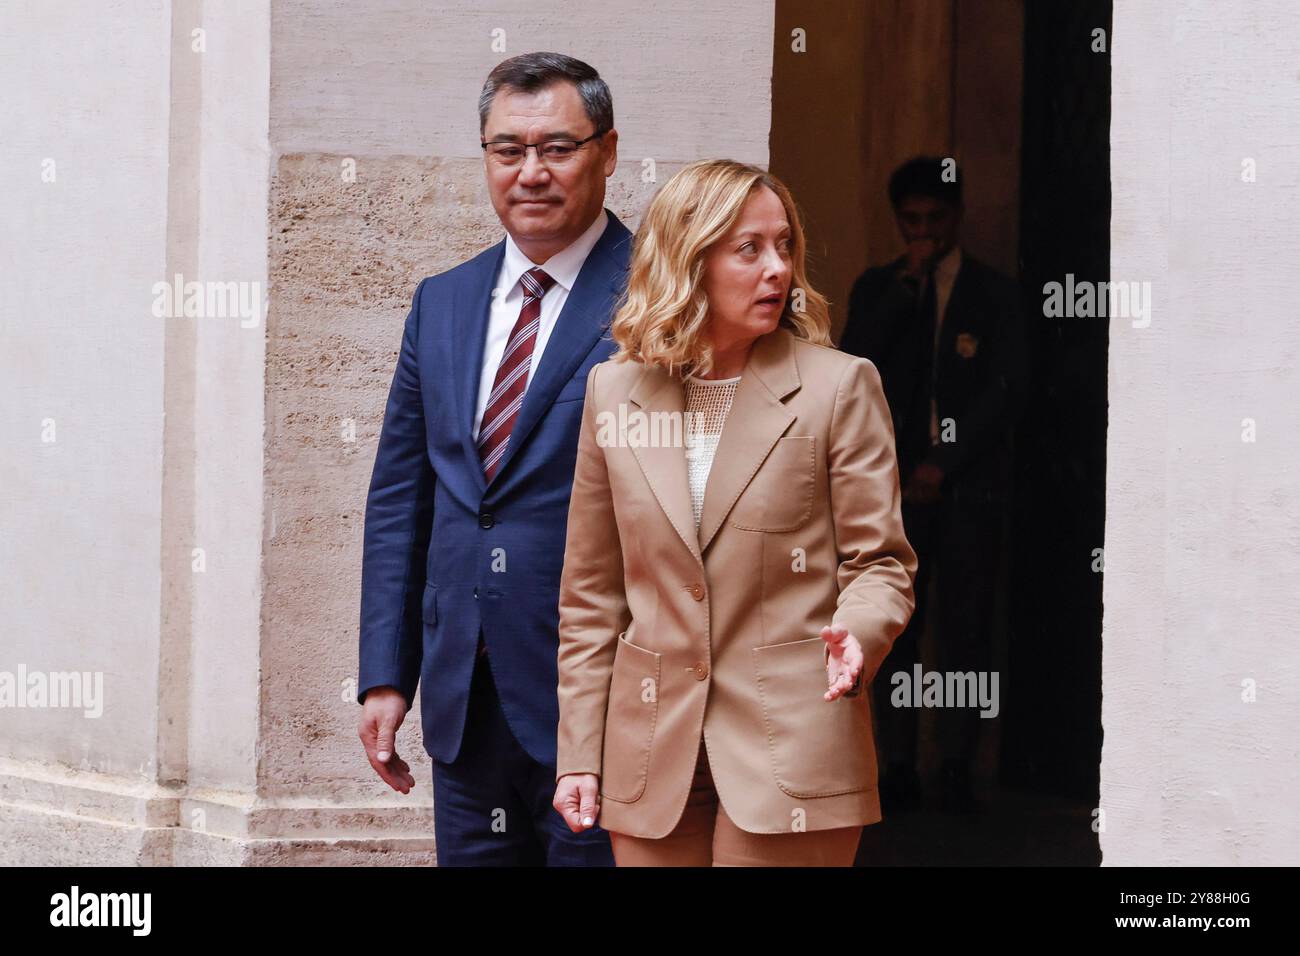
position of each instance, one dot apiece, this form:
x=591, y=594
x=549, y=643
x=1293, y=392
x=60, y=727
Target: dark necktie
x=511, y=382
x=512, y=374
x=927, y=319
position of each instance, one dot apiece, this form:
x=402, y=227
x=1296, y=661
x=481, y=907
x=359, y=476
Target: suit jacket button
x=701, y=670
x=485, y=520
x=697, y=592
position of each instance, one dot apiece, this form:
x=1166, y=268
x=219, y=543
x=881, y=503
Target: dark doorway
x=1052, y=738
x=1019, y=95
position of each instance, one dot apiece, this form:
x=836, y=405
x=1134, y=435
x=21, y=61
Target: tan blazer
x=664, y=635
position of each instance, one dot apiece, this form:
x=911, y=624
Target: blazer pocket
x=780, y=495
x=629, y=721
x=818, y=748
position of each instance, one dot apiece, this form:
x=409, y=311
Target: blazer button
x=697, y=592
x=701, y=670
x=485, y=520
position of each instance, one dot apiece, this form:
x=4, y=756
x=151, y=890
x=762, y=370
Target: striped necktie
x=512, y=374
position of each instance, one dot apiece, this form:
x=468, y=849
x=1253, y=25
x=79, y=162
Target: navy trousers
x=492, y=804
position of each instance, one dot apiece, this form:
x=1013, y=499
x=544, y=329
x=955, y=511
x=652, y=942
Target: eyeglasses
x=551, y=152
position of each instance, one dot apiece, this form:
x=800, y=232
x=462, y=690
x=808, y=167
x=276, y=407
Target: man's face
x=546, y=208
x=924, y=219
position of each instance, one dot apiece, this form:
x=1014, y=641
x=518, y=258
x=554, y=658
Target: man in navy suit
x=946, y=332
x=468, y=503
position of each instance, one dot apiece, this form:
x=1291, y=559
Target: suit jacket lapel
x=954, y=314
x=664, y=464
x=756, y=420
x=585, y=317
x=470, y=307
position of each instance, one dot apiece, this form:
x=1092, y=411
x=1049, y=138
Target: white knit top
x=707, y=402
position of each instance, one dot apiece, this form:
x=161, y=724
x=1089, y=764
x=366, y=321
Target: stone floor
x=1016, y=829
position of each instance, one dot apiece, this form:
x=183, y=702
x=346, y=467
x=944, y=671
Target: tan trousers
x=706, y=836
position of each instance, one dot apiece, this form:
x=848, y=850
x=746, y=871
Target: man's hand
x=920, y=257
x=381, y=714
x=577, y=798
x=923, y=487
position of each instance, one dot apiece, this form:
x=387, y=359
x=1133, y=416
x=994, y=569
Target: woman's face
x=747, y=273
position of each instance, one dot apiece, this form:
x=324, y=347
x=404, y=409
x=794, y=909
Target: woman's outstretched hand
x=844, y=663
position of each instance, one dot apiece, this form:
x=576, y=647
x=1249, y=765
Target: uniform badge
x=966, y=345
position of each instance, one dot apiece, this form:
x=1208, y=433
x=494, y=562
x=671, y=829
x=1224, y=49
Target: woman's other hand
x=577, y=798
x=843, y=662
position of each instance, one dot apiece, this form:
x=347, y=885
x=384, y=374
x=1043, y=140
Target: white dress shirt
x=945, y=275
x=508, y=299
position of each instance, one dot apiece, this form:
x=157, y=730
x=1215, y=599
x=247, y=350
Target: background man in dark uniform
x=946, y=333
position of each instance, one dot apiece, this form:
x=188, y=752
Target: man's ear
x=610, y=142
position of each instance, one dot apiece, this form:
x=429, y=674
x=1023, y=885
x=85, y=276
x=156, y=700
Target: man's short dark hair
x=530, y=72
x=923, y=176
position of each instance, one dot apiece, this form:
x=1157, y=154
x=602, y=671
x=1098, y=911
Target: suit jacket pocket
x=780, y=495
x=818, y=748
x=629, y=721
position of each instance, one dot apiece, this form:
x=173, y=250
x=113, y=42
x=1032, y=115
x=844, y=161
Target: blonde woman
x=735, y=568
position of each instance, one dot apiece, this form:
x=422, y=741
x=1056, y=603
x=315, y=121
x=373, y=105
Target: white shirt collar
x=945, y=269
x=563, y=267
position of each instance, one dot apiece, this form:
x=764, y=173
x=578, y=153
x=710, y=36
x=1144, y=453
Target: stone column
x=184, y=495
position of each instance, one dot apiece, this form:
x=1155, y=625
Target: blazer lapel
x=664, y=465
x=956, y=298
x=585, y=317
x=756, y=420
x=470, y=306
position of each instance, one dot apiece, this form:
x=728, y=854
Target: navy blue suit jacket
x=446, y=552
x=981, y=388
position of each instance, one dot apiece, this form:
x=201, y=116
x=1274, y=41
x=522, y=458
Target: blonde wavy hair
x=663, y=312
